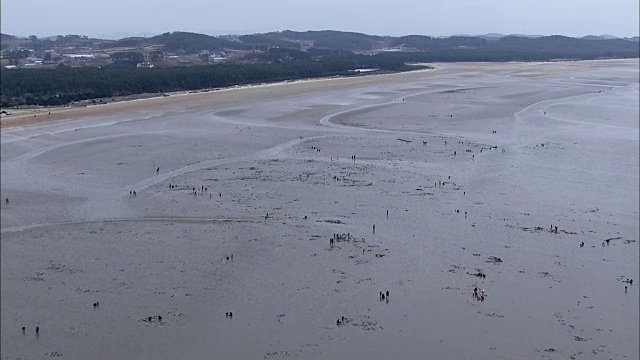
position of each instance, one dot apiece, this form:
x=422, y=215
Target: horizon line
x=218, y=33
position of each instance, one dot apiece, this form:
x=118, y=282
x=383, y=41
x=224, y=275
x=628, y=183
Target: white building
x=79, y=56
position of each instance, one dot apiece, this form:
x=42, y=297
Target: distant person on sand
x=158, y=170
x=374, y=228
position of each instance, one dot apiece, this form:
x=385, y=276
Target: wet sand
x=535, y=145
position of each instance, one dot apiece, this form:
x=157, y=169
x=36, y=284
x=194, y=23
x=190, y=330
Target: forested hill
x=192, y=43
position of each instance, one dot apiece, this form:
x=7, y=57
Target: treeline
x=64, y=84
x=336, y=40
x=192, y=43
x=488, y=55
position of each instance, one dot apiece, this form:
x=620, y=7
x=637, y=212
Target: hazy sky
x=400, y=17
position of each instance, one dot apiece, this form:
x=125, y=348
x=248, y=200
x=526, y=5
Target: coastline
x=143, y=102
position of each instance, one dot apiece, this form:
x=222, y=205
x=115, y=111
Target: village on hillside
x=80, y=51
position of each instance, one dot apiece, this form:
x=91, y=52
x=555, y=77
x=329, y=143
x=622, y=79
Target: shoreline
x=137, y=102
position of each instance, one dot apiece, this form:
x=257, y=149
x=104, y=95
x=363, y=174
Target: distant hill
x=333, y=40
x=4, y=37
x=40, y=44
x=599, y=37
x=266, y=41
x=497, y=36
x=419, y=42
x=125, y=42
x=192, y=43
x=179, y=42
x=561, y=46
x=489, y=36
x=122, y=35
x=565, y=44
x=556, y=46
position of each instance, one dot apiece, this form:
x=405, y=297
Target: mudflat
x=496, y=203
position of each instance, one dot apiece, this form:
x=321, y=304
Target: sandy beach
x=131, y=230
